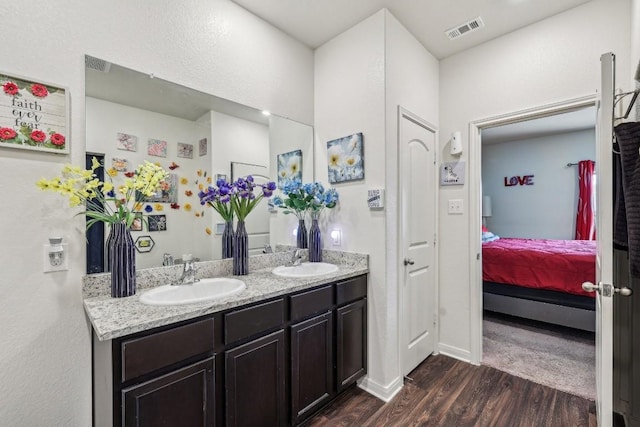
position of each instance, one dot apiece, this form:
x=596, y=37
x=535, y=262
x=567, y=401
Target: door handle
x=408, y=261
x=606, y=289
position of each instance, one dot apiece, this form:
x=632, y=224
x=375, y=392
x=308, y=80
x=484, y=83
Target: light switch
x=456, y=207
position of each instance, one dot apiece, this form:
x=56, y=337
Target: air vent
x=96, y=64
x=466, y=28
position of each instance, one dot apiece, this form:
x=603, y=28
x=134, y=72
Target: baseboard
x=385, y=393
x=455, y=352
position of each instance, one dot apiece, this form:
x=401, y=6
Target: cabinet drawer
x=311, y=302
x=249, y=321
x=351, y=290
x=147, y=354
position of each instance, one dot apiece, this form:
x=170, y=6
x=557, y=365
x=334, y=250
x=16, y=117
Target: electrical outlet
x=456, y=207
x=49, y=265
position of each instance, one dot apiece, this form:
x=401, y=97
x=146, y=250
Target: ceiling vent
x=466, y=28
x=97, y=64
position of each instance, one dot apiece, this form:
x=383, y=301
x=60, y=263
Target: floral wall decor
x=345, y=158
x=290, y=166
x=157, y=222
x=167, y=192
x=157, y=147
x=185, y=150
x=120, y=165
x=127, y=142
x=33, y=115
x=202, y=147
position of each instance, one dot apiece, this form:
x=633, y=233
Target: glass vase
x=301, y=236
x=227, y=240
x=315, y=242
x=122, y=261
x=240, y=250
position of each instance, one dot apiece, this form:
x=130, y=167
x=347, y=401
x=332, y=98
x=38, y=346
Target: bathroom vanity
x=271, y=355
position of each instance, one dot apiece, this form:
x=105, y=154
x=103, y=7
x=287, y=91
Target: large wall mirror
x=132, y=117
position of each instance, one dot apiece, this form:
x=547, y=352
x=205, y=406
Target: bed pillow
x=488, y=236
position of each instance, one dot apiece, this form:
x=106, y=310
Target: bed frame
x=574, y=311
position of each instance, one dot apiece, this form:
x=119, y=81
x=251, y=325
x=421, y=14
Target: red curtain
x=585, y=220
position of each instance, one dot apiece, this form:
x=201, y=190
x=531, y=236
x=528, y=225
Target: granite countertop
x=117, y=317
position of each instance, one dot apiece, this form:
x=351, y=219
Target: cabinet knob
x=408, y=261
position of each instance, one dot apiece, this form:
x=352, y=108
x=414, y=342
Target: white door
x=417, y=142
x=604, y=253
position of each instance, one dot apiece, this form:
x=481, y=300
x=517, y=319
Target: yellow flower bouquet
x=104, y=202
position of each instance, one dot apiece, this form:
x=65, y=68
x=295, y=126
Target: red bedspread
x=557, y=265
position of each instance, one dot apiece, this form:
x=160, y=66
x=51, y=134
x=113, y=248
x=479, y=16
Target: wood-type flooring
x=447, y=392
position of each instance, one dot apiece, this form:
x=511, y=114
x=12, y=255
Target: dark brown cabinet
x=255, y=381
x=312, y=374
x=183, y=398
x=270, y=363
x=351, y=336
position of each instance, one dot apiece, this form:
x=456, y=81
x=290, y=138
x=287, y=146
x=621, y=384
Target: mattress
x=556, y=265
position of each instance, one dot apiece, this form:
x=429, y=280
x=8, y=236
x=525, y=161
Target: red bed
x=557, y=265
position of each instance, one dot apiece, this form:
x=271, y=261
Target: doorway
x=500, y=219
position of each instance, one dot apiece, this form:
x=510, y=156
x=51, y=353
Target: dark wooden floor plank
x=447, y=392
x=353, y=408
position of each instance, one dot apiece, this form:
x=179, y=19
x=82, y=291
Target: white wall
x=214, y=46
x=185, y=234
x=546, y=209
x=550, y=61
x=361, y=77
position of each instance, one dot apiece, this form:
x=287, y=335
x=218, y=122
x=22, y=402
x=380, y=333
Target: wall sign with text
x=518, y=180
x=33, y=115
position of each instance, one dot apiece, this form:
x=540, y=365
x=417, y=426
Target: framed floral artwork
x=202, y=147
x=157, y=147
x=34, y=115
x=345, y=158
x=127, y=142
x=166, y=193
x=120, y=165
x=157, y=222
x=290, y=165
x=185, y=150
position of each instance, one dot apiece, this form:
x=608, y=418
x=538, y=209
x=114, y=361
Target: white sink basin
x=202, y=291
x=306, y=269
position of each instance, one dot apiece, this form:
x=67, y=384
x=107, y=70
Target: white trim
x=455, y=352
x=475, y=191
x=385, y=393
x=403, y=112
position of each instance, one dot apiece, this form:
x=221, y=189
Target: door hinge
x=606, y=290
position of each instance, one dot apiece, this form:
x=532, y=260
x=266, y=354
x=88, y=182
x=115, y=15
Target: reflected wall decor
x=290, y=166
x=33, y=115
x=345, y=158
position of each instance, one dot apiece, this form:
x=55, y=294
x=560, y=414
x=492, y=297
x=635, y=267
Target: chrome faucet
x=188, y=273
x=167, y=260
x=267, y=249
x=296, y=258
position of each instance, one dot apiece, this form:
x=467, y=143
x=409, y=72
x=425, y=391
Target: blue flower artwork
x=290, y=166
x=345, y=158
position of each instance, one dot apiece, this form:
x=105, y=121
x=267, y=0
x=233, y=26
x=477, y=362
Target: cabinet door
x=255, y=381
x=180, y=398
x=351, y=335
x=312, y=377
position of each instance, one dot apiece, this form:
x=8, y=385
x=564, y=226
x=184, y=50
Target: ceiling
x=314, y=22
x=573, y=121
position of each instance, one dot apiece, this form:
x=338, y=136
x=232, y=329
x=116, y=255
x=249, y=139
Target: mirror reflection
x=198, y=137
